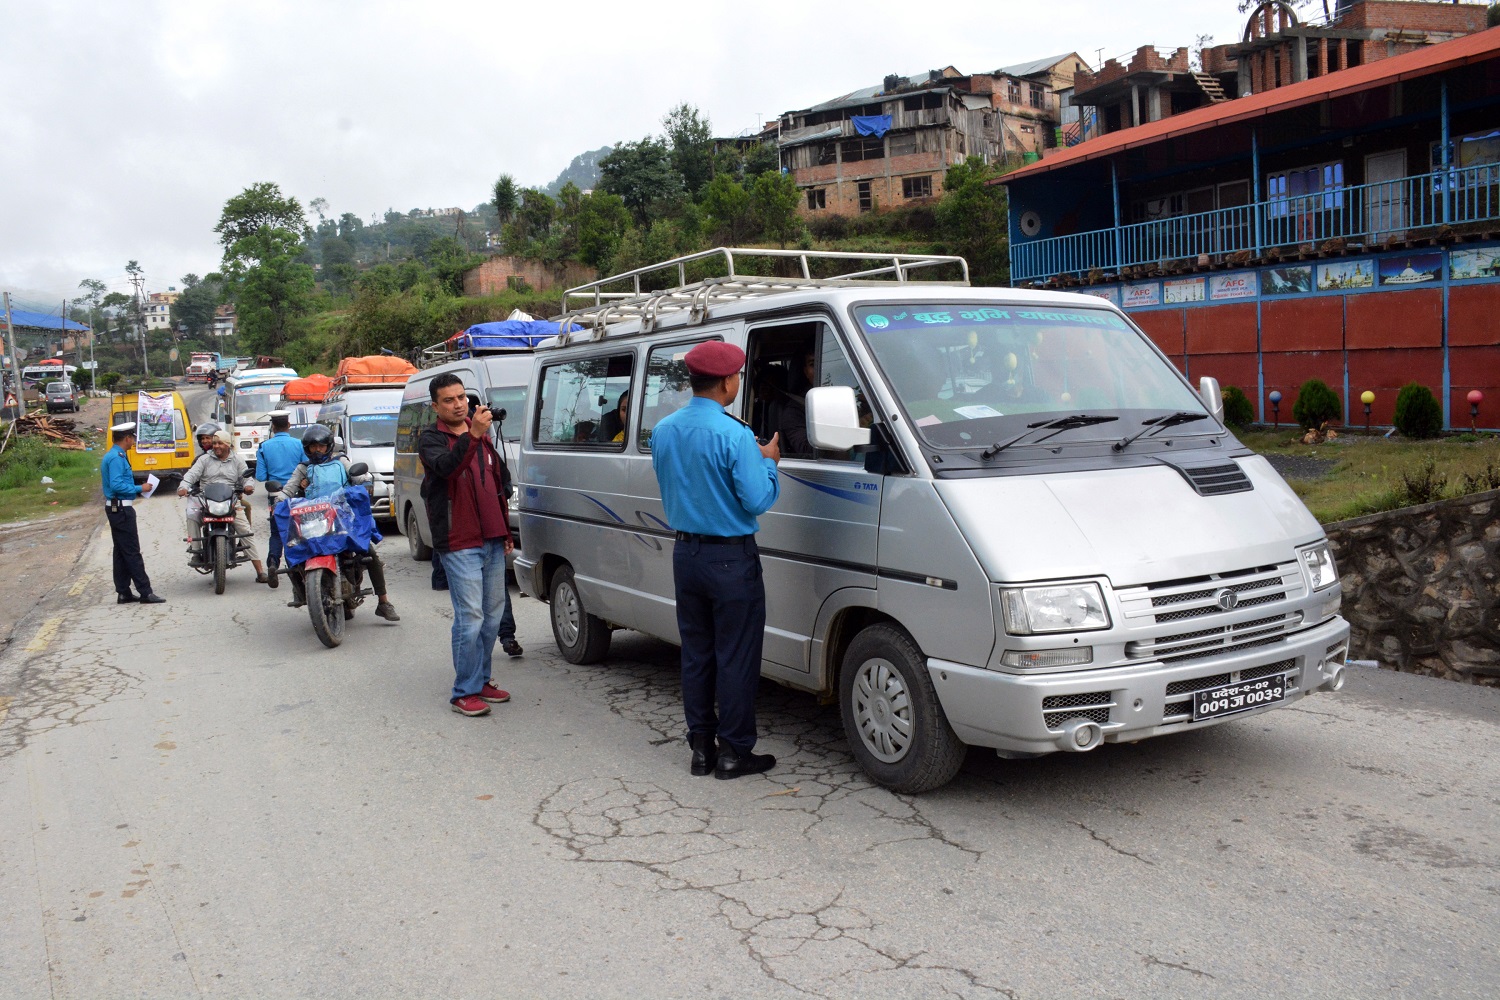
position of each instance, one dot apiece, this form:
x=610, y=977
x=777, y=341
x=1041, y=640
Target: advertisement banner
x=1464, y=265
x=1222, y=287
x=1109, y=294
x=1183, y=290
x=1286, y=280
x=153, y=422
x=1135, y=296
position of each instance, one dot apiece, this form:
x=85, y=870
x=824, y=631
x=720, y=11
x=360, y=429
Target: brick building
x=1345, y=227
x=503, y=273
x=891, y=145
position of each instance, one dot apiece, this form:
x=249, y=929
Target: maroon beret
x=715, y=358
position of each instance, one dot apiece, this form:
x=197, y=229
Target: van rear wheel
x=892, y=717
x=420, y=550
x=581, y=638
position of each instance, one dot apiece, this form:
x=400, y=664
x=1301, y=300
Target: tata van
x=1006, y=520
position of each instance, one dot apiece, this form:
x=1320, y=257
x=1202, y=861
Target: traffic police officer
x=715, y=480
x=275, y=460
x=120, y=492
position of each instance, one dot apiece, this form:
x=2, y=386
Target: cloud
x=135, y=122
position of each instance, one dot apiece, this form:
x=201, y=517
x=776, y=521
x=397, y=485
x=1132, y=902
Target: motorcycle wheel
x=325, y=606
x=221, y=562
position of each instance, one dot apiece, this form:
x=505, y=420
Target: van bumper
x=1012, y=712
x=527, y=580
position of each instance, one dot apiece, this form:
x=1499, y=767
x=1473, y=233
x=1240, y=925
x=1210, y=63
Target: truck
x=206, y=366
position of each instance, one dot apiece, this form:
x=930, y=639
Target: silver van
x=499, y=380
x=363, y=418
x=1006, y=520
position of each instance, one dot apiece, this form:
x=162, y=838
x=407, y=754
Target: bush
x=1423, y=486
x=1238, y=412
x=108, y=380
x=1317, y=405
x=1481, y=482
x=1418, y=414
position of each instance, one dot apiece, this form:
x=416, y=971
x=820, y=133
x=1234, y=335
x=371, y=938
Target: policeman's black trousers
x=721, y=616
x=128, y=562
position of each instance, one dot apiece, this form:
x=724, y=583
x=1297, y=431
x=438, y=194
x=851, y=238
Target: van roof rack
x=597, y=306
x=361, y=380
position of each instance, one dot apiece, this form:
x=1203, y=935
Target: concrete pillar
x=1299, y=54
x=1135, y=104
x=1245, y=81
x=1153, y=104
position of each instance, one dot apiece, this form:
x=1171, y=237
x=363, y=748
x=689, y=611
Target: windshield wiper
x=1155, y=425
x=1057, y=426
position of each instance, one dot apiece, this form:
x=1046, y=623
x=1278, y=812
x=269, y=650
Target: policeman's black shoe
x=153, y=599
x=705, y=753
x=273, y=579
x=736, y=764
x=126, y=599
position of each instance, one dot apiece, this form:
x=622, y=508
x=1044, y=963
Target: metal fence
x=1360, y=215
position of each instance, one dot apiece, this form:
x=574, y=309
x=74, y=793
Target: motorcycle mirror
x=272, y=486
x=358, y=469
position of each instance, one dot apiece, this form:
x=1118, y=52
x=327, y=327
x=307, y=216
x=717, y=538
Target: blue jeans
x=481, y=612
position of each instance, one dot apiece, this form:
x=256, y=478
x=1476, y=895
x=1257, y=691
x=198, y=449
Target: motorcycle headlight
x=1074, y=607
x=1318, y=561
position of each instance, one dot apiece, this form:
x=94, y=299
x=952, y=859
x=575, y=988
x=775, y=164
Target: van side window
x=415, y=417
x=511, y=399
x=581, y=402
x=179, y=429
x=787, y=360
x=668, y=388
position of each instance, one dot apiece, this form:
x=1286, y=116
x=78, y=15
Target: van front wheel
x=420, y=550
x=581, y=638
x=892, y=717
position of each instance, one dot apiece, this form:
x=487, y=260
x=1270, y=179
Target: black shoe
x=152, y=599
x=387, y=610
x=126, y=599
x=705, y=753
x=348, y=613
x=512, y=647
x=736, y=764
x=298, y=603
x=273, y=579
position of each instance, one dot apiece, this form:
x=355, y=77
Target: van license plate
x=1221, y=701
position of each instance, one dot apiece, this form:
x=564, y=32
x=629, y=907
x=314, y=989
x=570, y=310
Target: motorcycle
x=320, y=539
x=219, y=547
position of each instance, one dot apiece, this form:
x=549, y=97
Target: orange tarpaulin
x=313, y=389
x=375, y=369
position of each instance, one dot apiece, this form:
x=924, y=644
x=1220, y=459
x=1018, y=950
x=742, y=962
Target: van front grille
x=1219, y=610
x=1059, y=709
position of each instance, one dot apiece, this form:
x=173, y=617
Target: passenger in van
x=793, y=422
x=715, y=481
x=612, y=426
x=770, y=399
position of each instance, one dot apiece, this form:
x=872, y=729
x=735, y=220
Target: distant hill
x=583, y=171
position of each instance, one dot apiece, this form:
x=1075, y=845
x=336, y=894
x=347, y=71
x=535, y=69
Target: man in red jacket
x=464, y=491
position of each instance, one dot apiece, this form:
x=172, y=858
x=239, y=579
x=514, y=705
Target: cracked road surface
x=200, y=800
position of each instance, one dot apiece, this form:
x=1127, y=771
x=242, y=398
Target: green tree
x=96, y=291
x=603, y=220
x=506, y=196
x=259, y=206
x=773, y=200
x=690, y=137
x=727, y=204
x=449, y=260
x=194, y=308
x=642, y=175
x=263, y=235
x=972, y=218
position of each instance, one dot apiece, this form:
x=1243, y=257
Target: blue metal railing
x=1364, y=214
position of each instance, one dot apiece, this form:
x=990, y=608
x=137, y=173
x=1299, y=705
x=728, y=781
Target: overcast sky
x=127, y=126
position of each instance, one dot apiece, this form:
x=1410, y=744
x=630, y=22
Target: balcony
x=1366, y=215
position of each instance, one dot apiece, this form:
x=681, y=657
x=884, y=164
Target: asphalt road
x=199, y=799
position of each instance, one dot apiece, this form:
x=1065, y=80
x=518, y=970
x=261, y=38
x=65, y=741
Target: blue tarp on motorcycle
x=325, y=526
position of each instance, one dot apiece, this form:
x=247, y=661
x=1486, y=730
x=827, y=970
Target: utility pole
x=15, y=360
x=138, y=280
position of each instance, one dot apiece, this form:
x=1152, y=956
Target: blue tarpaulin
x=510, y=334
x=353, y=525
x=38, y=321
x=876, y=125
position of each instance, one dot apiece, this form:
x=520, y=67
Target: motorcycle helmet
x=206, y=429
x=318, y=434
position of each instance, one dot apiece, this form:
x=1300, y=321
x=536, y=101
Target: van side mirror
x=358, y=469
x=1208, y=389
x=338, y=443
x=833, y=419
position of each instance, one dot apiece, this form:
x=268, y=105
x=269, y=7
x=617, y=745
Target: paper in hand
x=151, y=484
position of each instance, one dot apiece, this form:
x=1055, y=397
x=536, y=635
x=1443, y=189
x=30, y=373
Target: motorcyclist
x=220, y=465
x=205, y=432
x=321, y=474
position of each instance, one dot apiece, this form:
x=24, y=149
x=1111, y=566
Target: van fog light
x=1033, y=659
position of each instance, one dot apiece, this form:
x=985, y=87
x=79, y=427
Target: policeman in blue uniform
x=275, y=460
x=120, y=493
x=715, y=480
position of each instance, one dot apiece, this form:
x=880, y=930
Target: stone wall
x=494, y=275
x=1422, y=587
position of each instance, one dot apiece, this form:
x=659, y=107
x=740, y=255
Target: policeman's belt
x=688, y=536
x=117, y=504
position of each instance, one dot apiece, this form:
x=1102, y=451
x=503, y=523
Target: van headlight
x=1318, y=561
x=1073, y=607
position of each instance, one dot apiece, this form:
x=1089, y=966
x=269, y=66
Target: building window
x=1038, y=96
x=916, y=187
x=863, y=149
x=866, y=198
x=817, y=198
x=828, y=153
x=1013, y=92
x=1307, y=189
x=903, y=144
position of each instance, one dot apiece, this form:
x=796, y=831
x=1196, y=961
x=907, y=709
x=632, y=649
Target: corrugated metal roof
x=1424, y=62
x=800, y=137
x=867, y=95
x=1036, y=65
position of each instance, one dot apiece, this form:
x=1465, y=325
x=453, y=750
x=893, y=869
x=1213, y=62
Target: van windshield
x=372, y=430
x=254, y=403
x=969, y=374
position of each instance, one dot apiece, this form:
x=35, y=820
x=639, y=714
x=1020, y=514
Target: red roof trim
x=1424, y=62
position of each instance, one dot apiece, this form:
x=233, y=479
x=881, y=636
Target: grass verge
x=1373, y=474
x=23, y=495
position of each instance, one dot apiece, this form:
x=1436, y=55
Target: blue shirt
x=114, y=468
x=277, y=458
x=713, y=478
